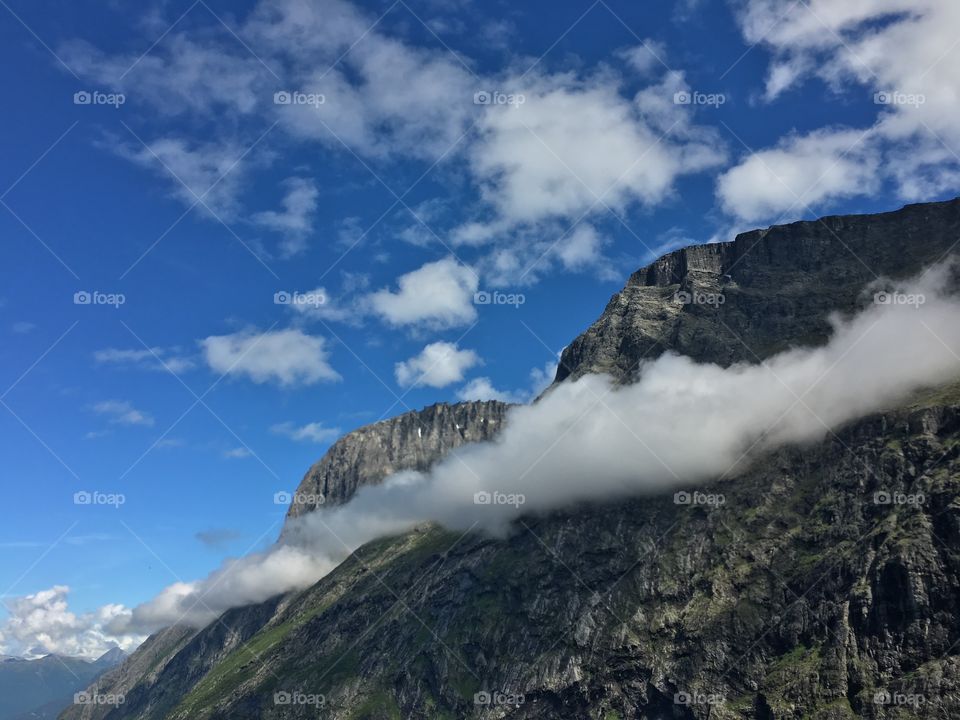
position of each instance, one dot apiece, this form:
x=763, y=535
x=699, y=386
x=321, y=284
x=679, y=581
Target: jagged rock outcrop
x=412, y=441
x=761, y=293
x=826, y=585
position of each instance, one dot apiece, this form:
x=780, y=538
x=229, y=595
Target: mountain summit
x=824, y=585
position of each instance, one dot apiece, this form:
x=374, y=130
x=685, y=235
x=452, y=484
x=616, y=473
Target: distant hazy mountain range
x=41, y=688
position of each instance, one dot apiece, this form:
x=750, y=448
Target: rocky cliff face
x=761, y=293
x=412, y=441
x=826, y=584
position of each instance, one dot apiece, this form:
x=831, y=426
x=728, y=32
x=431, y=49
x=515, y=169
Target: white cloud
x=295, y=221
x=437, y=295
x=178, y=75
x=800, y=171
x=482, y=388
x=156, y=358
x=122, y=413
x=578, y=145
x=42, y=623
x=898, y=54
x=439, y=364
x=645, y=57
x=211, y=172
x=288, y=357
x=238, y=453
x=311, y=432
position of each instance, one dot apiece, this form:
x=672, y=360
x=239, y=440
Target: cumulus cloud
x=121, y=412
x=898, y=55
x=707, y=418
x=577, y=145
x=482, y=388
x=287, y=357
x=437, y=295
x=801, y=170
x=295, y=221
x=439, y=364
x=315, y=432
x=42, y=623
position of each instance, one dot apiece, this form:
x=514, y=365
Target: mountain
x=826, y=584
x=412, y=441
x=41, y=688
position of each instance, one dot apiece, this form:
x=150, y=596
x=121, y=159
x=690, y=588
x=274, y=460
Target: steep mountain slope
x=805, y=594
x=412, y=441
x=41, y=688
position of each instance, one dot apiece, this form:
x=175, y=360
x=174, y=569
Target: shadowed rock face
x=763, y=292
x=802, y=596
x=412, y=441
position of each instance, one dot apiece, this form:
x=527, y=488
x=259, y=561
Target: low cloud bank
x=682, y=423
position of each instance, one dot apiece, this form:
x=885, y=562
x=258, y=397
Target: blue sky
x=187, y=189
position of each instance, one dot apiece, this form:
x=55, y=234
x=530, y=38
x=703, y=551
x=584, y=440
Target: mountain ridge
x=605, y=611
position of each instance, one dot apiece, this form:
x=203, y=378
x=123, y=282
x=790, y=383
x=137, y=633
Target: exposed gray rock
x=412, y=441
x=778, y=287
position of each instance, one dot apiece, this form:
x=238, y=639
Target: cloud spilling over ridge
x=680, y=424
